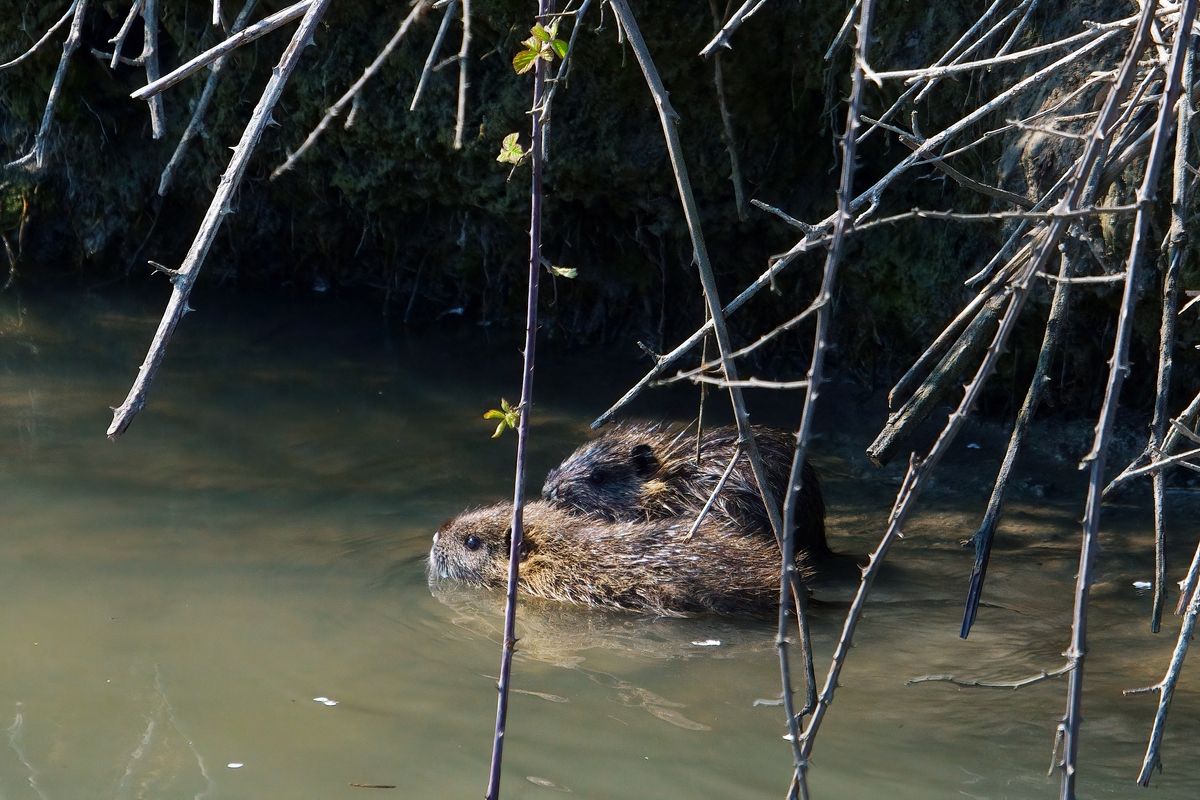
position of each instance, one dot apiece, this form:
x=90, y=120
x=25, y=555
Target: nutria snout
x=641, y=471
x=646, y=566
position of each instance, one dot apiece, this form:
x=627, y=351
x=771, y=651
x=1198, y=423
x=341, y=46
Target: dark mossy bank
x=389, y=204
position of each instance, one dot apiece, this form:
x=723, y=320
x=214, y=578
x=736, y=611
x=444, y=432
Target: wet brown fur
x=648, y=471
x=643, y=566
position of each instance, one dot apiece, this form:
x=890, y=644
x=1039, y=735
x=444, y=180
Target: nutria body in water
x=645, y=566
x=648, y=471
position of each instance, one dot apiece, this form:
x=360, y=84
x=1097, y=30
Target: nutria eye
x=598, y=477
x=473, y=542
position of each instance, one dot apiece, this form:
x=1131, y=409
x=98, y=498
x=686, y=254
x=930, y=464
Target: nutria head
x=606, y=477
x=474, y=546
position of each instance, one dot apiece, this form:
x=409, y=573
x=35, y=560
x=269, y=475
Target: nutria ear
x=526, y=547
x=645, y=463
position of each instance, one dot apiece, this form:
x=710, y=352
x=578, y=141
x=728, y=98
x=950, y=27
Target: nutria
x=644, y=566
x=648, y=471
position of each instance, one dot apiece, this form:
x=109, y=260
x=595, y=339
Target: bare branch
x=531, y=306
x=436, y=48
x=957, y=52
x=911, y=75
x=206, y=96
x=149, y=59
x=35, y=158
x=667, y=117
x=45, y=37
x=255, y=31
x=802, y=745
x=843, y=33
x=747, y=10
x=418, y=10
x=1177, y=251
x=940, y=381
x=985, y=535
x=743, y=383
x=217, y=210
x=708, y=366
x=118, y=41
x=464, y=52
x=712, y=498
x=1118, y=367
x=1093, y=279
x=813, y=237
x=952, y=331
x=727, y=135
x=913, y=142
x=972, y=683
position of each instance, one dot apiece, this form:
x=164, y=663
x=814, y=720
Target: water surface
x=174, y=602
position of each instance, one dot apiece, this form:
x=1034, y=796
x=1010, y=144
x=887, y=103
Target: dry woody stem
x=418, y=10
x=183, y=279
x=667, y=117
x=253, y=32
x=526, y=407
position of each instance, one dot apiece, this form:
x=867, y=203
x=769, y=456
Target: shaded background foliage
x=390, y=206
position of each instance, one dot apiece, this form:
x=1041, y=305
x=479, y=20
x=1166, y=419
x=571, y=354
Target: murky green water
x=172, y=604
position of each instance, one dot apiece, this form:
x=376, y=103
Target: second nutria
x=647, y=471
x=645, y=566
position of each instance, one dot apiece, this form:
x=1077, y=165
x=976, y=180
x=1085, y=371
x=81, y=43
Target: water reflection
x=175, y=602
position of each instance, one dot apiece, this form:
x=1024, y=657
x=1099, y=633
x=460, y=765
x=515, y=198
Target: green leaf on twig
x=511, y=151
x=524, y=60
x=509, y=417
x=564, y=272
x=544, y=44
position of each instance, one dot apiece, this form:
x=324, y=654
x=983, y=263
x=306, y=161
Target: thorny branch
x=464, y=52
x=526, y=406
x=418, y=10
x=221, y=205
x=149, y=59
x=1166, y=687
x=35, y=158
x=206, y=95
x=1118, y=368
x=667, y=117
x=747, y=10
x=243, y=37
x=802, y=746
x=434, y=50
x=1177, y=250
x=868, y=200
